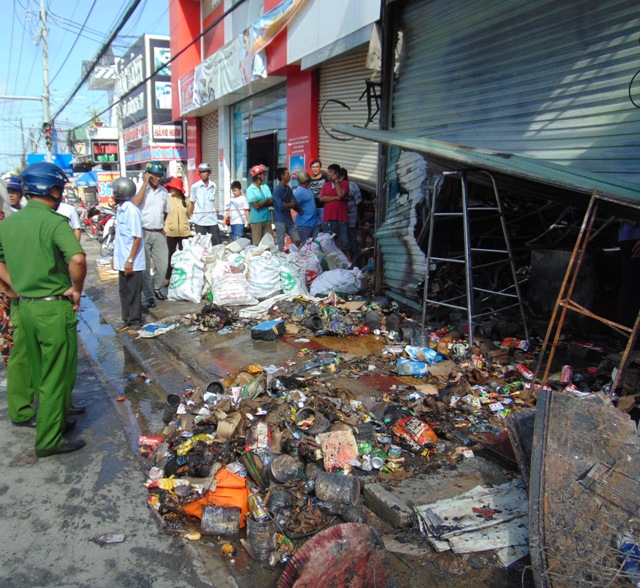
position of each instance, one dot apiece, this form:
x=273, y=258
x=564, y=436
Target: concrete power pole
x=24, y=145
x=46, y=97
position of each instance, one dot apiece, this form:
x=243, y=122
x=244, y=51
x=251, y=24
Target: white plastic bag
x=263, y=275
x=292, y=276
x=187, y=277
x=338, y=280
x=229, y=287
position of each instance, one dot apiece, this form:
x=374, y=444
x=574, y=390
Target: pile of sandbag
x=242, y=274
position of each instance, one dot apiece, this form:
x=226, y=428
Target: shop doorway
x=264, y=150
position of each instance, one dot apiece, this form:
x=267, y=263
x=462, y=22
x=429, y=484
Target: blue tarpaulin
x=89, y=178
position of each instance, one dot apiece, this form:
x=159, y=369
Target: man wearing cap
x=203, y=196
x=14, y=190
x=259, y=198
x=41, y=259
x=153, y=201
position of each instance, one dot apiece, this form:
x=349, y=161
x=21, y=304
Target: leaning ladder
x=465, y=302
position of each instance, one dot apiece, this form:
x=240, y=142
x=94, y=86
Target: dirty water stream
x=140, y=402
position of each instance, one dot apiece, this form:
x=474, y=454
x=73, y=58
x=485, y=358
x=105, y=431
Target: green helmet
x=155, y=167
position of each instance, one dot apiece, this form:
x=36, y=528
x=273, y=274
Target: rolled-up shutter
x=209, y=146
x=343, y=80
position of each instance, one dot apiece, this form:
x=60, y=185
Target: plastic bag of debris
x=292, y=276
x=338, y=280
x=263, y=275
x=229, y=288
x=187, y=277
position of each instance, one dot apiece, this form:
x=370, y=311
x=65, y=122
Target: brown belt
x=154, y=230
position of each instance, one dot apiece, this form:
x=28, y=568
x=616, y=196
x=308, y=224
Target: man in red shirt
x=335, y=217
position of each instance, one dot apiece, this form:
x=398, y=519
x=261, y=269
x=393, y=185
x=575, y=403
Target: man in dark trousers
x=128, y=253
x=41, y=259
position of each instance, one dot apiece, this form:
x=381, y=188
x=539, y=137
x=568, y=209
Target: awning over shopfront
x=88, y=179
x=514, y=171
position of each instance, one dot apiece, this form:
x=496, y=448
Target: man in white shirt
x=72, y=214
x=203, y=196
x=153, y=201
x=128, y=253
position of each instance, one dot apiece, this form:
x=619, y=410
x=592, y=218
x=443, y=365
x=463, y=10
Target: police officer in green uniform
x=42, y=260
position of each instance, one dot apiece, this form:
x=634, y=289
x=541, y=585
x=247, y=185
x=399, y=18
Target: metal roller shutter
x=209, y=147
x=343, y=79
x=546, y=78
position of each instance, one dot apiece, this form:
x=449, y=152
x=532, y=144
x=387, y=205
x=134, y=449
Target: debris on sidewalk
x=108, y=538
x=482, y=519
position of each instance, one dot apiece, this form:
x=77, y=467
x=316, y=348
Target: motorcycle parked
x=97, y=217
x=108, y=237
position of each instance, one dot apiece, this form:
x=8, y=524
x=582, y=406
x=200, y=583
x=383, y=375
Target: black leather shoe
x=159, y=295
x=31, y=423
x=70, y=424
x=150, y=303
x=68, y=445
x=77, y=409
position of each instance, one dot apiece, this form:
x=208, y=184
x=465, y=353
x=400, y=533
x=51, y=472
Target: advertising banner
x=105, y=192
x=238, y=63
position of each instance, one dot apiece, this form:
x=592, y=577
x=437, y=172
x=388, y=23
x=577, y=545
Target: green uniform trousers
x=43, y=364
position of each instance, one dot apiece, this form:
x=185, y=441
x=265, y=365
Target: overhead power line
x=173, y=58
x=74, y=43
x=105, y=47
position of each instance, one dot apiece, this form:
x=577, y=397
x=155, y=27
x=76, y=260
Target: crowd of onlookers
x=320, y=200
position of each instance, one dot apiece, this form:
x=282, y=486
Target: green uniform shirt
x=36, y=244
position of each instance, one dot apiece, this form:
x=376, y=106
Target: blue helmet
x=39, y=178
x=14, y=183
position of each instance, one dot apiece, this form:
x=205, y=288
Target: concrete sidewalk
x=51, y=508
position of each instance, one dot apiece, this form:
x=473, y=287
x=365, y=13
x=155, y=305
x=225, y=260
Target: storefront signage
x=104, y=151
x=239, y=62
x=131, y=69
x=153, y=152
x=164, y=132
x=105, y=191
x=134, y=106
x=136, y=132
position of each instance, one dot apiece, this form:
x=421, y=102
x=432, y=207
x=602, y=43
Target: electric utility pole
x=47, y=128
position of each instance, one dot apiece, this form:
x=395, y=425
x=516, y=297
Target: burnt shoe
x=68, y=445
x=77, y=409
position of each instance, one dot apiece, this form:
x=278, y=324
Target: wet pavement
x=144, y=371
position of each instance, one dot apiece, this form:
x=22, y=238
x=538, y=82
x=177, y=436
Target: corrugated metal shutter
x=343, y=79
x=548, y=79
x=209, y=147
x=404, y=261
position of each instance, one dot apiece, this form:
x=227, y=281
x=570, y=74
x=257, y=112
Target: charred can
x=566, y=374
x=257, y=508
x=524, y=371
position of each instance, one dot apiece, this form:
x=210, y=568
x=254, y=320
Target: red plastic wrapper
x=415, y=432
x=149, y=441
x=515, y=343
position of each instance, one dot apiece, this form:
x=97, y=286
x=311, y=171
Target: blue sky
x=21, y=72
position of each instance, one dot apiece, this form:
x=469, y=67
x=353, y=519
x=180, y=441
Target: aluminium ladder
x=510, y=295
